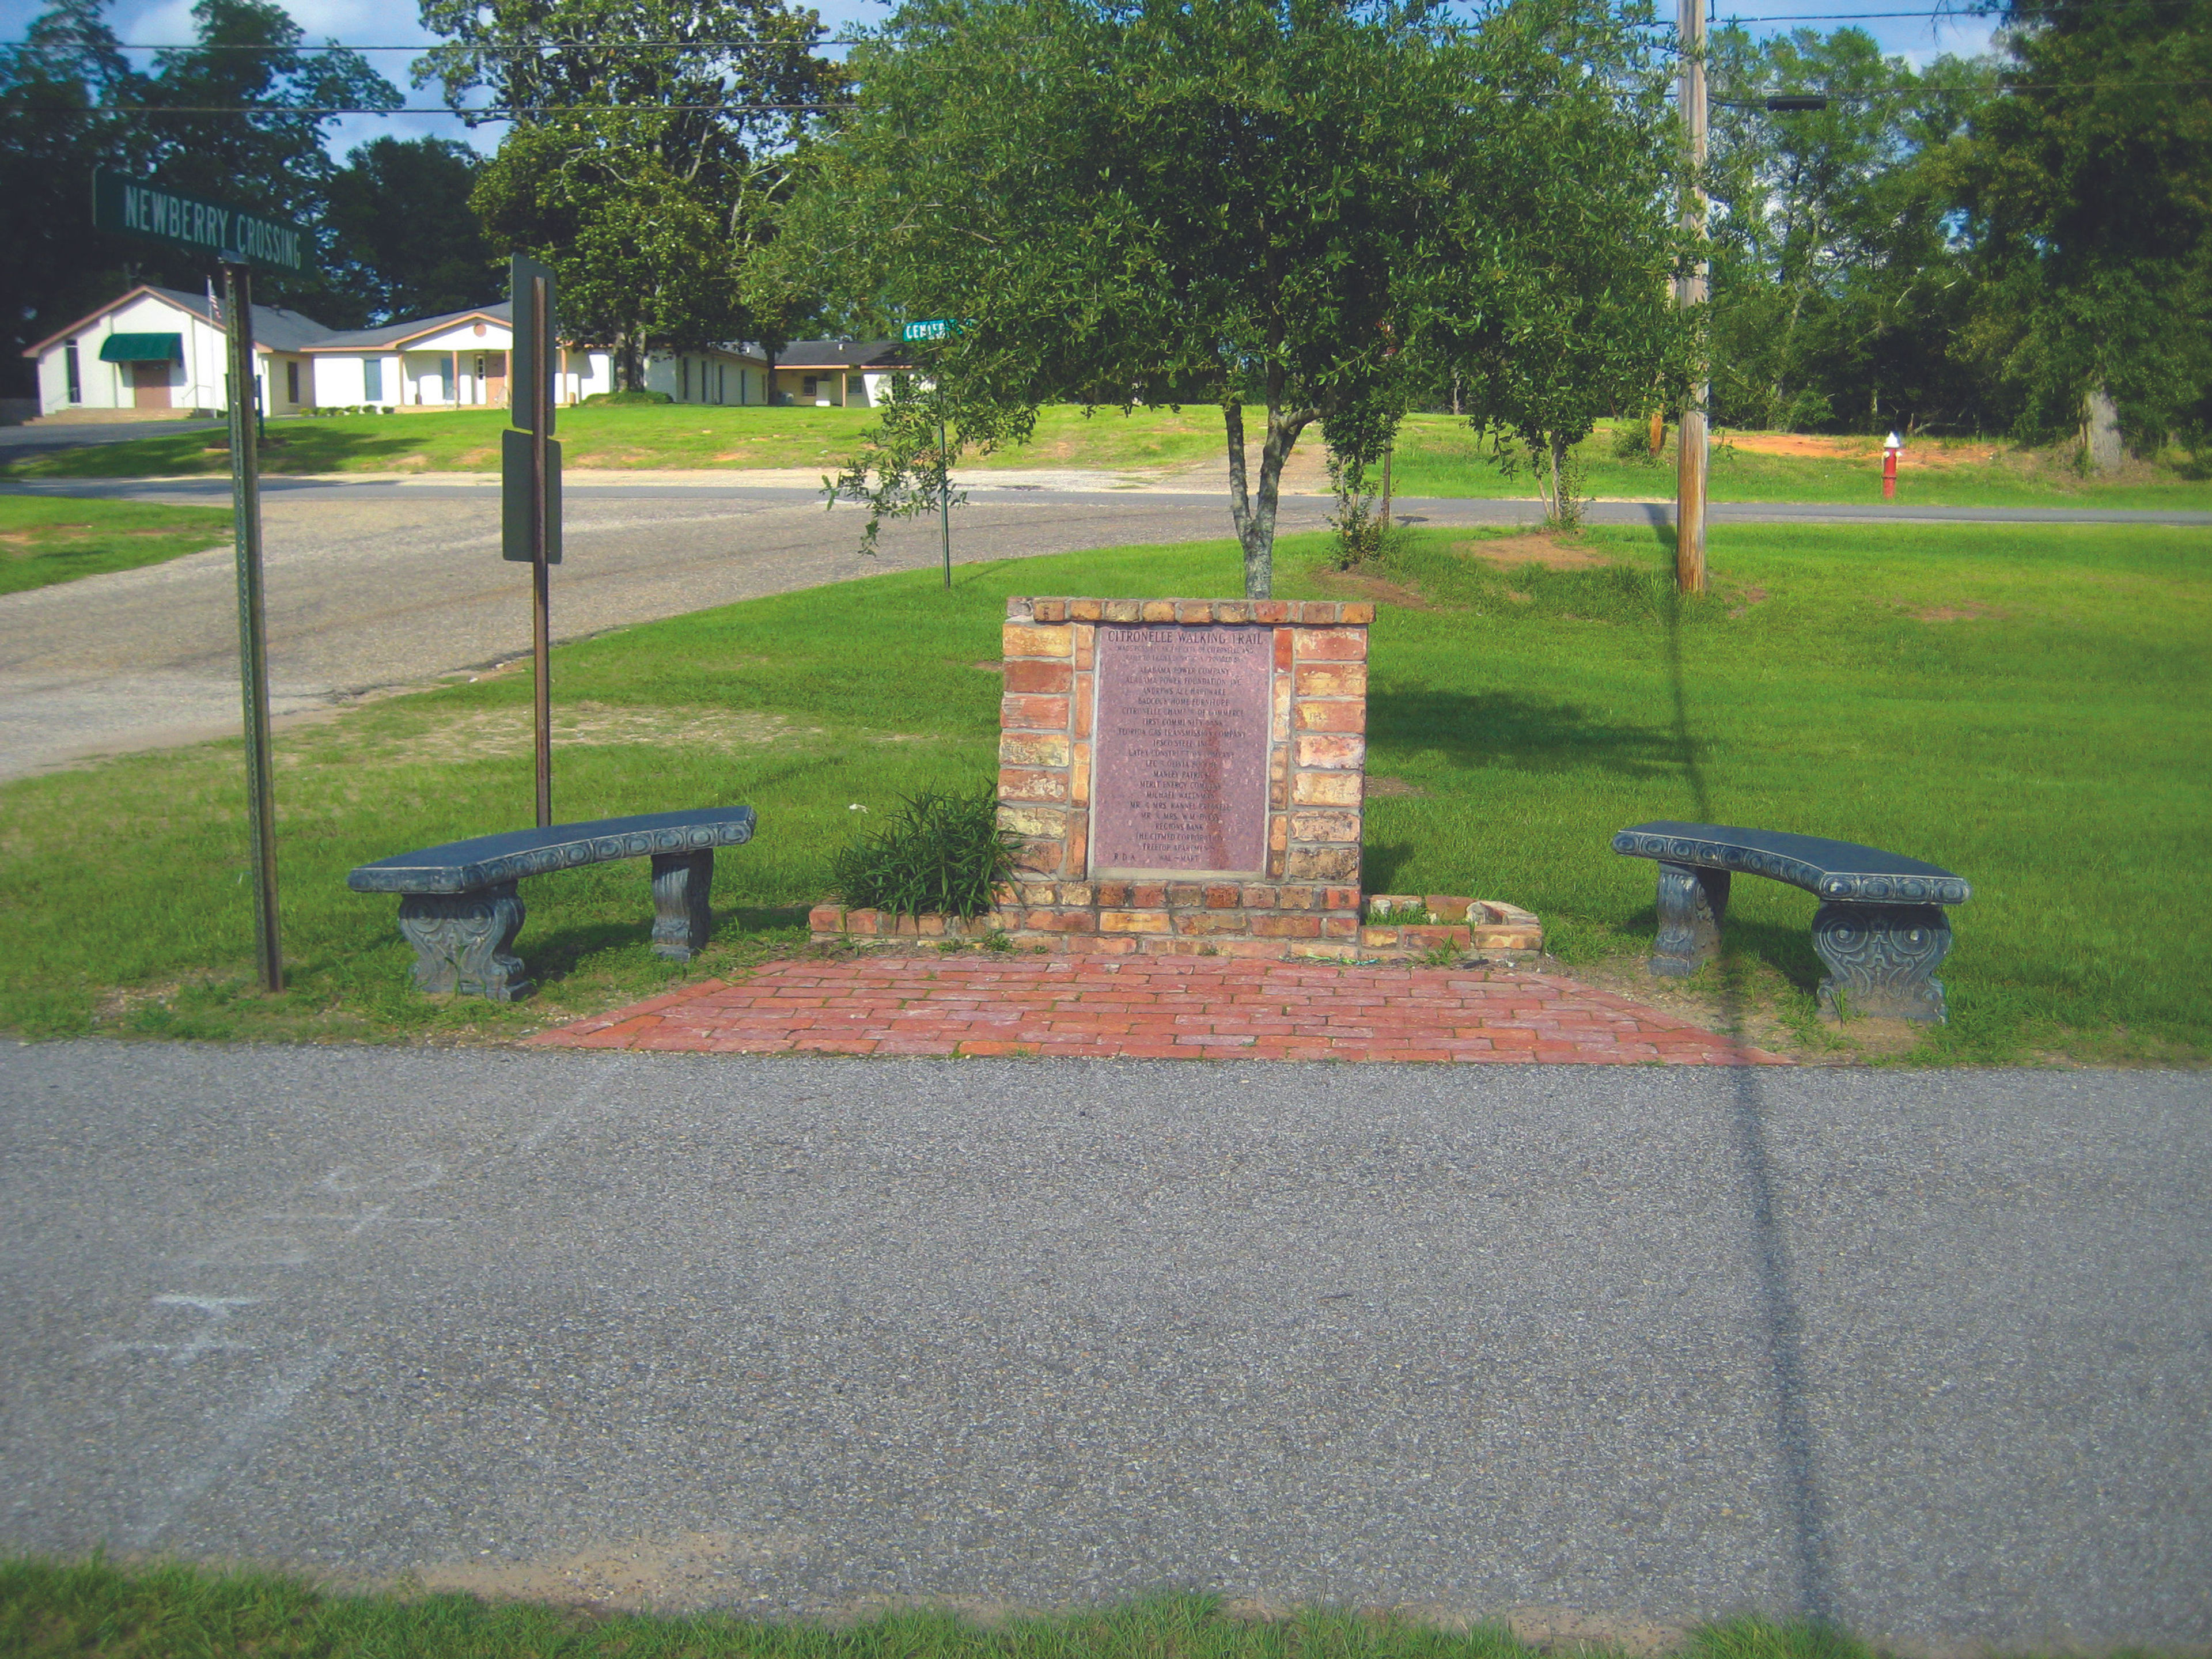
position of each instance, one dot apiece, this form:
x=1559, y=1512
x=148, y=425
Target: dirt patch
x=25, y=537
x=1761, y=1008
x=490, y=732
x=1805, y=446
x=1382, y=788
x=692, y=1570
x=1513, y=551
x=1955, y=613
x=993, y=666
x=1362, y=585
x=1746, y=598
x=1547, y=1629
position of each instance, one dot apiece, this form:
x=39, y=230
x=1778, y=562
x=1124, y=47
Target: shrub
x=602, y=397
x=942, y=853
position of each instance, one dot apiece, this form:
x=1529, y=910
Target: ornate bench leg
x=461, y=941
x=681, y=920
x=1692, y=905
x=1880, y=958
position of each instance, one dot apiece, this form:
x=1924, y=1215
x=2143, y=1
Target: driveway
x=1930, y=1353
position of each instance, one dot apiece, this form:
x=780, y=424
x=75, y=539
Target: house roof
x=843, y=354
x=398, y=334
x=274, y=328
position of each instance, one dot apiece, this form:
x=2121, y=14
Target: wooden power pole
x=1690, y=290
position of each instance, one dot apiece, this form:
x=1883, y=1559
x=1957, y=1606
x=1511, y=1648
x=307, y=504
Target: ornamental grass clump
x=940, y=854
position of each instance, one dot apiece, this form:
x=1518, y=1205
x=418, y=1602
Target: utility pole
x=1690, y=290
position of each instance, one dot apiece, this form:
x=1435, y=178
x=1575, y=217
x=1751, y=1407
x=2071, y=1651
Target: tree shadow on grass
x=1531, y=733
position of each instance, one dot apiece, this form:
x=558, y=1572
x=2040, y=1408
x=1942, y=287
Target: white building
x=159, y=348
x=458, y=360
x=834, y=373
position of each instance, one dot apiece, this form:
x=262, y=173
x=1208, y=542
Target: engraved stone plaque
x=1180, y=774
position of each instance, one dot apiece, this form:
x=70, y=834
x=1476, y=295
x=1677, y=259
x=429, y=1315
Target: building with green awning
x=156, y=352
x=143, y=348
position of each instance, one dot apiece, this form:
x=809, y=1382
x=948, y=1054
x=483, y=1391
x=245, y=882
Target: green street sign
x=932, y=331
x=136, y=208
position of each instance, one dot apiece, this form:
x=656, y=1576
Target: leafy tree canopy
x=1127, y=201
x=69, y=101
x=651, y=142
x=1842, y=292
x=409, y=243
x=1552, y=305
x=2086, y=185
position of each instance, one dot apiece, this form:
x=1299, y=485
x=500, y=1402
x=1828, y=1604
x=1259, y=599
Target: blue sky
x=394, y=23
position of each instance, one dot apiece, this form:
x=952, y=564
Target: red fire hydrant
x=1889, y=451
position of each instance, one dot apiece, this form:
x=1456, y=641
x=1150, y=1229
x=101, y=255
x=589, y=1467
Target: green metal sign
x=134, y=208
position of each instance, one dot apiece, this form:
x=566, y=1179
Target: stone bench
x=1880, y=927
x=458, y=908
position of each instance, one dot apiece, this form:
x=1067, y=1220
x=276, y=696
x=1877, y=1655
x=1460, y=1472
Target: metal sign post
x=937, y=329
x=529, y=489
x=252, y=619
x=239, y=240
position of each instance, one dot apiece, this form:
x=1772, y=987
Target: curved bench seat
x=458, y=907
x=1880, y=927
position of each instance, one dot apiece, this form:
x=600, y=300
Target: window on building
x=856, y=385
x=372, y=380
x=75, y=381
x=684, y=365
x=291, y=383
x=810, y=388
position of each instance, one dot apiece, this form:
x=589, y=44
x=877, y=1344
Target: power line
x=489, y=113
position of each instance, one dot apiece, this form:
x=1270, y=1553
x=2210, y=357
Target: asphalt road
x=373, y=587
x=377, y=585
x=1930, y=1353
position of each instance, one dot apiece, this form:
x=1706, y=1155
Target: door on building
x=149, y=385
x=492, y=376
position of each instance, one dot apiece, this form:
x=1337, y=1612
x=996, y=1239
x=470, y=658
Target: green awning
x=143, y=348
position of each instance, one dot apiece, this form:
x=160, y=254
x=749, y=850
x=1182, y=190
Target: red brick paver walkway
x=1161, y=1008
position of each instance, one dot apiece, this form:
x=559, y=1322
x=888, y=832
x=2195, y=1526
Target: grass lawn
x=44, y=539
x=2027, y=705
x=1436, y=455
x=49, y=1610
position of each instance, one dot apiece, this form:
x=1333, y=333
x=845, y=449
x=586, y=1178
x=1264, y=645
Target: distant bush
x=628, y=398
x=940, y=854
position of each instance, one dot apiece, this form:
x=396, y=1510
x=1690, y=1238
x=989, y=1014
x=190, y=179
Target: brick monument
x=1185, y=776
x=1188, y=777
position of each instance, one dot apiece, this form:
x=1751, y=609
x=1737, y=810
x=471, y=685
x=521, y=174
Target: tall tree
x=251, y=57
x=1147, y=201
x=651, y=144
x=1556, y=312
x=56, y=124
x=1842, y=292
x=408, y=242
x=2086, y=184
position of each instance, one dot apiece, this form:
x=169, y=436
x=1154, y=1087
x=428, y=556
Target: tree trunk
x=628, y=362
x=1659, y=431
x=2100, y=431
x=1255, y=518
